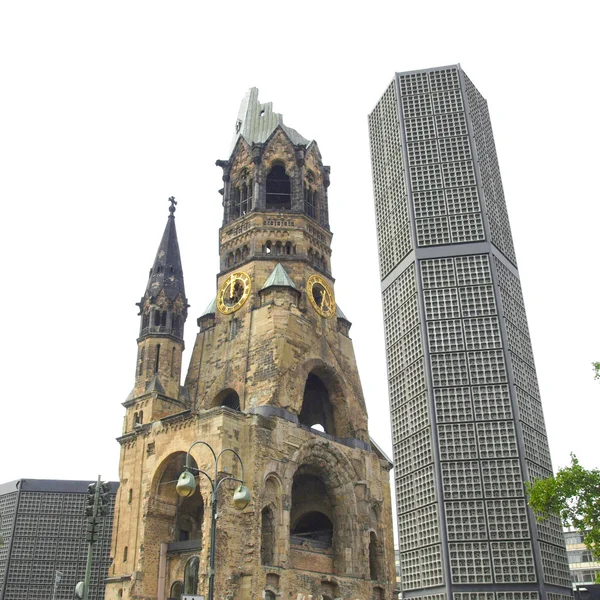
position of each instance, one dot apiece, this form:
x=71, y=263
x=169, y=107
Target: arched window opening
x=228, y=398
x=310, y=517
x=269, y=595
x=288, y=247
x=141, y=417
x=173, y=361
x=141, y=365
x=278, y=248
x=267, y=247
x=236, y=203
x=316, y=406
x=176, y=325
x=311, y=257
x=187, y=514
x=245, y=252
x=163, y=318
x=190, y=576
x=267, y=537
x=314, y=526
x=279, y=189
x=156, y=318
x=136, y=419
x=374, y=558
x=230, y=259
x=310, y=207
x=237, y=256
x=145, y=321
x=250, y=193
x=176, y=591
x=157, y=358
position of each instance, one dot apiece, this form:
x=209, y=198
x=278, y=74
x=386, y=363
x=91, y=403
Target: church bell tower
x=272, y=375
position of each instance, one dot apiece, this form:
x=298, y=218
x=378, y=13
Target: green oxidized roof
x=210, y=309
x=279, y=277
x=256, y=122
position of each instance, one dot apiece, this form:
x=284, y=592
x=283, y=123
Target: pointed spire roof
x=279, y=277
x=167, y=272
x=256, y=122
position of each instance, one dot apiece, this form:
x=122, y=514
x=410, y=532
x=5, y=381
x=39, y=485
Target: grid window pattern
x=502, y=478
x=389, y=186
x=513, y=562
x=450, y=178
x=554, y=564
x=492, y=403
x=461, y=480
x=453, y=404
x=419, y=528
x=457, y=441
x=49, y=536
x=507, y=519
x=470, y=562
x=466, y=520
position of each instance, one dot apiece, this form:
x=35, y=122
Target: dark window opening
x=145, y=320
x=125, y=554
x=288, y=247
x=156, y=318
x=236, y=203
x=129, y=496
x=268, y=247
x=316, y=406
x=245, y=252
x=141, y=365
x=279, y=189
x=315, y=526
x=228, y=398
x=278, y=248
x=157, y=358
x=190, y=576
x=176, y=591
x=374, y=557
x=267, y=538
x=163, y=318
x=176, y=324
x=310, y=205
x=141, y=417
x=173, y=362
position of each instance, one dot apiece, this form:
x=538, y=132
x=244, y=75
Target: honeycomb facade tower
x=272, y=375
x=467, y=421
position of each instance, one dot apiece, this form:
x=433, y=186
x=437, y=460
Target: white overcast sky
x=107, y=108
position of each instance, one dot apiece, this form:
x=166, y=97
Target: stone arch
x=339, y=423
x=178, y=519
x=318, y=465
x=227, y=397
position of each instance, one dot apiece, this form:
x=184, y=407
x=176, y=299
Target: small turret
x=163, y=312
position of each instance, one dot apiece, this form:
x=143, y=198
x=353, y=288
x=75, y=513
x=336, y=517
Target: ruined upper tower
x=273, y=376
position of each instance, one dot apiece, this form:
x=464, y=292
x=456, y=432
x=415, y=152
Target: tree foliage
x=574, y=495
x=596, y=366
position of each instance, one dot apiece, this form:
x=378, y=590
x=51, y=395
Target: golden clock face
x=320, y=296
x=233, y=293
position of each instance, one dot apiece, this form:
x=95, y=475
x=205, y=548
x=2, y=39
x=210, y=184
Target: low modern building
x=43, y=528
x=582, y=565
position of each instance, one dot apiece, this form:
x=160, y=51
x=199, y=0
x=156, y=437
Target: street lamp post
x=186, y=486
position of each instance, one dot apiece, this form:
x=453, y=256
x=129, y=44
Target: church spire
x=167, y=273
x=163, y=312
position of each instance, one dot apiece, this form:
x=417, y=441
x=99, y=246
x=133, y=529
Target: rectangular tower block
x=467, y=420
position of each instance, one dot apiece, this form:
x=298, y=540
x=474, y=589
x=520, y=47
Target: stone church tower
x=273, y=376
